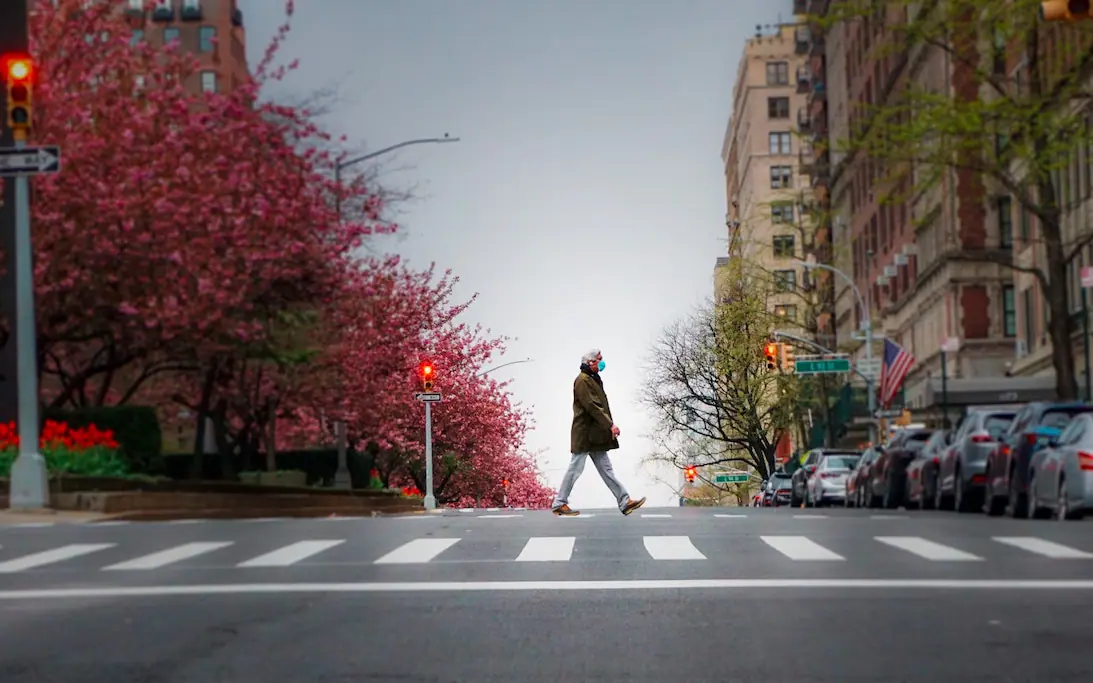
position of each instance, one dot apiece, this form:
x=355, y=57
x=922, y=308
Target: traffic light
x=772, y=356
x=788, y=364
x=427, y=372
x=690, y=473
x=19, y=79
x=1066, y=10
x=505, y=483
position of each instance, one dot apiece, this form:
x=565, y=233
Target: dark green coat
x=591, y=417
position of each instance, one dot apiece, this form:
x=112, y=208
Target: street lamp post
x=342, y=478
x=867, y=328
x=504, y=365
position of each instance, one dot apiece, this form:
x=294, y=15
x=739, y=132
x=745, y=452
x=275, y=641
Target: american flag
x=897, y=362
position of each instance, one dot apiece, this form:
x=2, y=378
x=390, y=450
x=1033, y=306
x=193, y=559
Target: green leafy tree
x=1010, y=118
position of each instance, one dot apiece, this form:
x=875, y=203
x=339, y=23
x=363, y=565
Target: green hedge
x=136, y=429
x=319, y=464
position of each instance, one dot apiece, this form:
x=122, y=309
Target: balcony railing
x=802, y=38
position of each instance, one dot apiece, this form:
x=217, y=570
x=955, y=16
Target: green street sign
x=730, y=478
x=821, y=366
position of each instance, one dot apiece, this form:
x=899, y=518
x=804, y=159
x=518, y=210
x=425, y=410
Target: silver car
x=1061, y=475
x=828, y=483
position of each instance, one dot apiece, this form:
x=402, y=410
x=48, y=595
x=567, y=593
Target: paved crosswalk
x=434, y=550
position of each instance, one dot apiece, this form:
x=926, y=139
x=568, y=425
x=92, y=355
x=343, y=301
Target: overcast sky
x=585, y=202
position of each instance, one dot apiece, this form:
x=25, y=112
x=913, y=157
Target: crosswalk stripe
x=169, y=556
x=66, y=552
x=1056, y=551
x=672, y=548
x=547, y=549
x=800, y=548
x=417, y=551
x=732, y=516
x=928, y=549
x=290, y=554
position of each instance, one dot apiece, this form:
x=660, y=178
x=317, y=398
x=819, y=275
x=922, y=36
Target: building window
x=789, y=312
x=784, y=246
x=785, y=280
x=777, y=73
x=1005, y=222
x=206, y=36
x=780, y=143
x=1009, y=311
x=781, y=177
x=208, y=81
x=781, y=212
x=778, y=107
x=170, y=35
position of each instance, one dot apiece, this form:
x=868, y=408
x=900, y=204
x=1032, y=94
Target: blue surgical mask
x=601, y=366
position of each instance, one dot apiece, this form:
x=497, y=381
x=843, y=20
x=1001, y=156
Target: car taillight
x=1005, y=449
x=785, y=491
x=982, y=438
x=937, y=460
x=979, y=478
x=1085, y=461
x=828, y=475
x=1031, y=439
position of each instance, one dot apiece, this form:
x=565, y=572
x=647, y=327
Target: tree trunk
x=271, y=447
x=197, y=465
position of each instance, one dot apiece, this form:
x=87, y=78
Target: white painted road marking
x=800, y=548
x=732, y=516
x=66, y=552
x=548, y=549
x=672, y=548
x=655, y=515
x=33, y=525
x=418, y=551
x=929, y=550
x=290, y=554
x=499, y=516
x=169, y=556
x=1056, y=551
x=185, y=521
x=497, y=586
x=809, y=516
x=887, y=516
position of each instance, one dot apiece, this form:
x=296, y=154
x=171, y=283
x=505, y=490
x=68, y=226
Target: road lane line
x=731, y=516
x=809, y=516
x=417, y=551
x=655, y=515
x=168, y=556
x=801, y=548
x=499, y=516
x=929, y=550
x=672, y=548
x=1056, y=551
x=290, y=554
x=548, y=549
x=45, y=557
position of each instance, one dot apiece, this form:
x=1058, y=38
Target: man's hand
x=615, y=431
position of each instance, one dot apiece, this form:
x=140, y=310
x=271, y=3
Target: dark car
x=961, y=473
x=887, y=474
x=857, y=482
x=922, y=472
x=1006, y=468
x=779, y=489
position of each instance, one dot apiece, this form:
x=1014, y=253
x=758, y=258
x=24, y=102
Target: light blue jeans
x=603, y=466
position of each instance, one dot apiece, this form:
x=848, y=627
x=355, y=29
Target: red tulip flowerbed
x=87, y=451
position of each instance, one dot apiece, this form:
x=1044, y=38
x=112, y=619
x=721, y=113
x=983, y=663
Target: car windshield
x=841, y=462
x=777, y=482
x=996, y=425
x=1060, y=418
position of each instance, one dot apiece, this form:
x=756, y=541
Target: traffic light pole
x=430, y=499
x=29, y=480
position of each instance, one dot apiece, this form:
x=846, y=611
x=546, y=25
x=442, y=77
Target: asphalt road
x=773, y=595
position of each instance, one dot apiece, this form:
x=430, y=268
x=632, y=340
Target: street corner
x=48, y=516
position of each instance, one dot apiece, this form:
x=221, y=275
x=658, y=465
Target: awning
x=991, y=390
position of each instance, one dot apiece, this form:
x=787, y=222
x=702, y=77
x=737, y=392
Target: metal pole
x=1085, y=343
x=29, y=480
x=342, y=479
x=944, y=391
x=430, y=499
x=870, y=383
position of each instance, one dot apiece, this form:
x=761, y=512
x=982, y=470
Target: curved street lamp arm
x=372, y=155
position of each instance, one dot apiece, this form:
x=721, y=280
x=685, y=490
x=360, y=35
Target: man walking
x=593, y=434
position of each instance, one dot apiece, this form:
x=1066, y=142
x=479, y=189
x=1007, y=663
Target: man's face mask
x=601, y=365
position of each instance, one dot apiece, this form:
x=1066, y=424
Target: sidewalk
x=49, y=516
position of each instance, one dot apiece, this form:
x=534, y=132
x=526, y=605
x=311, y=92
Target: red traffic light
x=690, y=472
x=505, y=482
x=772, y=349
x=425, y=370
x=18, y=68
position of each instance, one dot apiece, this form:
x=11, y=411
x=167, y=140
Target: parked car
x=1060, y=479
x=780, y=487
x=856, y=482
x=922, y=472
x=1007, y=467
x=962, y=471
x=799, y=487
x=887, y=473
x=828, y=483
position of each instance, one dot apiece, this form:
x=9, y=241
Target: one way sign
x=29, y=160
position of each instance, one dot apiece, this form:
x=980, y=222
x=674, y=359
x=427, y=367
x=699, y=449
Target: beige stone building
x=766, y=194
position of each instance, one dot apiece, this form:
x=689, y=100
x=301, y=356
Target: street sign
x=819, y=366
x=730, y=478
x=883, y=414
x=29, y=160
x=431, y=397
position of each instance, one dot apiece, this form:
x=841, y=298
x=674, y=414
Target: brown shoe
x=565, y=511
x=633, y=505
